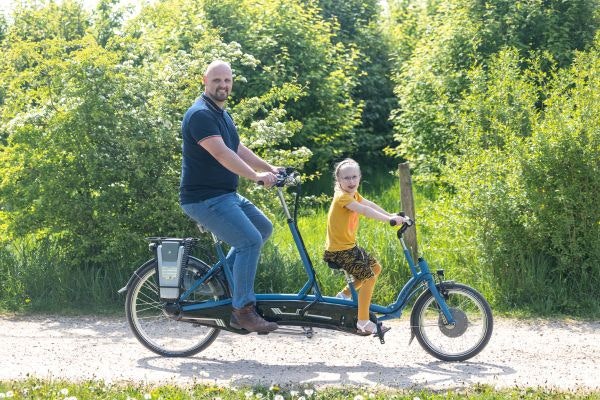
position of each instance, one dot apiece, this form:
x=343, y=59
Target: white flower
x=64, y=391
x=249, y=394
x=2, y=395
x=147, y=396
x=308, y=392
x=278, y=397
x=294, y=393
x=371, y=395
x=358, y=397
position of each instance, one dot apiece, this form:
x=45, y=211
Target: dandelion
x=64, y=391
x=294, y=393
x=249, y=394
x=358, y=397
x=147, y=396
x=2, y=395
x=278, y=397
x=10, y=393
x=371, y=395
x=308, y=392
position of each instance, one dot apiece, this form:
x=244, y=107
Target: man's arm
x=254, y=161
x=233, y=162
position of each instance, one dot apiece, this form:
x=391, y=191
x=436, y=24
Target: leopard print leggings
x=356, y=261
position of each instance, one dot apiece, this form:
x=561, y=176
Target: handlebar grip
x=408, y=223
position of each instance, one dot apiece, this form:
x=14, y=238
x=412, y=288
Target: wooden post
x=407, y=204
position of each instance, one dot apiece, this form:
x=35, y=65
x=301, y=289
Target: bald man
x=213, y=159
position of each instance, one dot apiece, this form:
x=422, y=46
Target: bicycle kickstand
x=380, y=333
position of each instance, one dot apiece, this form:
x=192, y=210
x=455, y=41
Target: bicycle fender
x=134, y=275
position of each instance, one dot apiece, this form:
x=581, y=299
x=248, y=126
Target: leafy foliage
x=293, y=44
x=495, y=108
x=526, y=180
x=451, y=37
x=361, y=28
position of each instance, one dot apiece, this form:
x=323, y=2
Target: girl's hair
x=338, y=166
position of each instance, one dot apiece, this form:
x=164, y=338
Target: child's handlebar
x=405, y=225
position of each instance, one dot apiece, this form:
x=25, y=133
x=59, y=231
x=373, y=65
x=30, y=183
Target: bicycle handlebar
x=286, y=177
x=405, y=225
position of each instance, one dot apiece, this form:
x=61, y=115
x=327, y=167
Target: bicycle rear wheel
x=458, y=342
x=155, y=326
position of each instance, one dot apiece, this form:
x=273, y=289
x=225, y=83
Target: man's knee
x=253, y=239
x=266, y=232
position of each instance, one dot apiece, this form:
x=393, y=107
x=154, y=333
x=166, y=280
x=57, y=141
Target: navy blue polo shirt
x=202, y=176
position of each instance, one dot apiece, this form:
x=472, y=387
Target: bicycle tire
x=464, y=340
x=159, y=330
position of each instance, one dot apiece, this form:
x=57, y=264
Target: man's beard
x=220, y=95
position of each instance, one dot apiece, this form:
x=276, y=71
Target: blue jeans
x=239, y=223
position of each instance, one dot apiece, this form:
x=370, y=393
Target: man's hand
x=268, y=179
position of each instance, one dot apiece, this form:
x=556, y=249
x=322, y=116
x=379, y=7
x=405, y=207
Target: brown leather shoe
x=247, y=318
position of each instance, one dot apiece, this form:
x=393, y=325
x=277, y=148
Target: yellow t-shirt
x=342, y=224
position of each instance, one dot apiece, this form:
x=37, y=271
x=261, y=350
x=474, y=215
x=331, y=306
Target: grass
x=63, y=390
x=34, y=279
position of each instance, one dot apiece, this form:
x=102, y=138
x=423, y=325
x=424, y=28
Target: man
x=213, y=159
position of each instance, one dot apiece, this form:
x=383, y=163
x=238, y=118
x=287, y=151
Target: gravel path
x=563, y=355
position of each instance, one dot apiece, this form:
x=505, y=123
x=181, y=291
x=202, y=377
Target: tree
x=526, y=177
x=291, y=43
x=361, y=28
x=452, y=37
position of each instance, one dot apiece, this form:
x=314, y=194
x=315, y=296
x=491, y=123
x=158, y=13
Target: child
x=341, y=248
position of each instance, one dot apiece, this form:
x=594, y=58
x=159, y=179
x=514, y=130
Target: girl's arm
x=375, y=206
x=373, y=213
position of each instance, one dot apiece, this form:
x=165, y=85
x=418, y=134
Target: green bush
x=527, y=182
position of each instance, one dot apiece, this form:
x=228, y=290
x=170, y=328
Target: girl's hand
x=398, y=220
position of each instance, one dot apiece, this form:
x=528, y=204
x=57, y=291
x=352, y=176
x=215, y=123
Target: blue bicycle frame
x=421, y=278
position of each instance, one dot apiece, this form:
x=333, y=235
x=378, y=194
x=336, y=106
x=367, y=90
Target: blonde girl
x=341, y=247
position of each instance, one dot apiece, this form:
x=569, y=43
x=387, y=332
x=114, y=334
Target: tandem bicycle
x=177, y=304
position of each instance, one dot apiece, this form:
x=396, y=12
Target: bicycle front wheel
x=470, y=333
x=159, y=329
